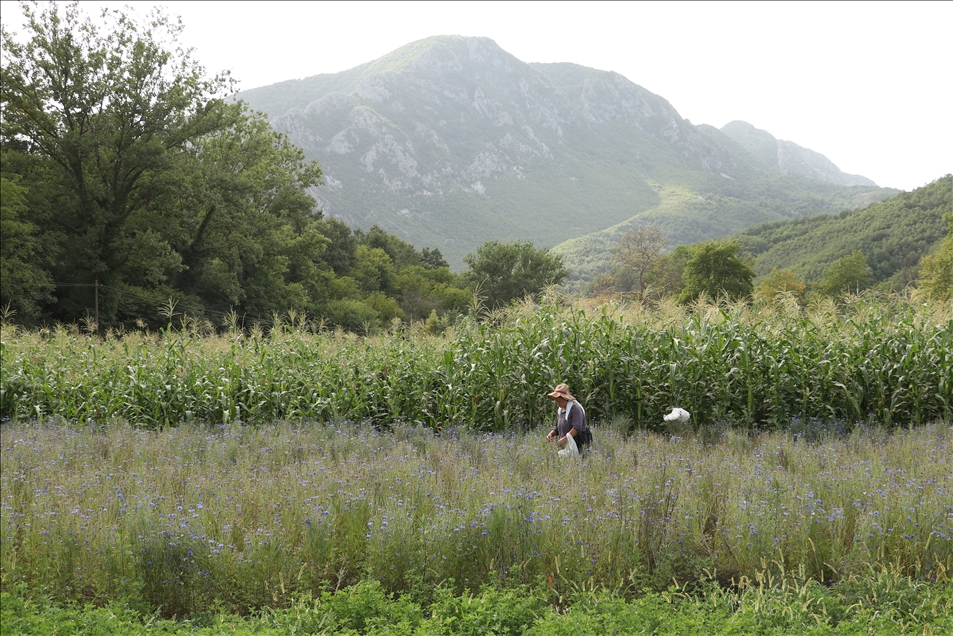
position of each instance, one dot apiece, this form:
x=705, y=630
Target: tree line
x=130, y=180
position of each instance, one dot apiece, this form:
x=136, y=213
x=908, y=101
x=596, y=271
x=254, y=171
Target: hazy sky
x=868, y=84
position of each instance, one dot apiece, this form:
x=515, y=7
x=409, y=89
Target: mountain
x=893, y=235
x=786, y=157
x=450, y=141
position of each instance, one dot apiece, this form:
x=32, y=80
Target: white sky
x=868, y=84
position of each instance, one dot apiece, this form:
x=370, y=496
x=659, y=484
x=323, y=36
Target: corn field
x=873, y=360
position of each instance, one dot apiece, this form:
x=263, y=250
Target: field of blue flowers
x=239, y=517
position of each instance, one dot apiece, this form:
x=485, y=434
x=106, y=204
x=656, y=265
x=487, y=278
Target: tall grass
x=238, y=517
x=873, y=359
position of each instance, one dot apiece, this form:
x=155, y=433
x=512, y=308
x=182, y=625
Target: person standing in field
x=570, y=419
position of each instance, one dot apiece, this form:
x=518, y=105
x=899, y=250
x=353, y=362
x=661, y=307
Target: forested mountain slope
x=452, y=141
x=893, y=235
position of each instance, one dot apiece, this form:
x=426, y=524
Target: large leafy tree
x=100, y=114
x=251, y=237
x=139, y=176
x=502, y=272
x=715, y=268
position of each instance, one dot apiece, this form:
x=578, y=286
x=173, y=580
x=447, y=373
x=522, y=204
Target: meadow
x=402, y=483
x=238, y=518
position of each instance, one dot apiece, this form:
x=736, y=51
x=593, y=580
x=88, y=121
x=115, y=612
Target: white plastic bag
x=677, y=414
x=570, y=449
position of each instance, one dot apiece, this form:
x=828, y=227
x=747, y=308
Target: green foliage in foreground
x=757, y=366
x=905, y=608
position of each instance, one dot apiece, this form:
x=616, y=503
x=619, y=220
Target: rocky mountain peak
x=451, y=141
x=786, y=157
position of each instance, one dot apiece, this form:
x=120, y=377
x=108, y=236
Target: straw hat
x=561, y=390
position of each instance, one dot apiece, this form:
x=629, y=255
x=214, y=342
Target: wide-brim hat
x=561, y=391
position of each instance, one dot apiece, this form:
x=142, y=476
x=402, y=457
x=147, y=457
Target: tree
x=666, y=276
x=936, y=270
x=24, y=286
x=433, y=259
x=248, y=234
x=505, y=271
x=341, y=252
x=715, y=268
x=142, y=178
x=780, y=282
x=847, y=273
x=105, y=112
x=424, y=290
x=638, y=251
x=374, y=271
x=603, y=286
